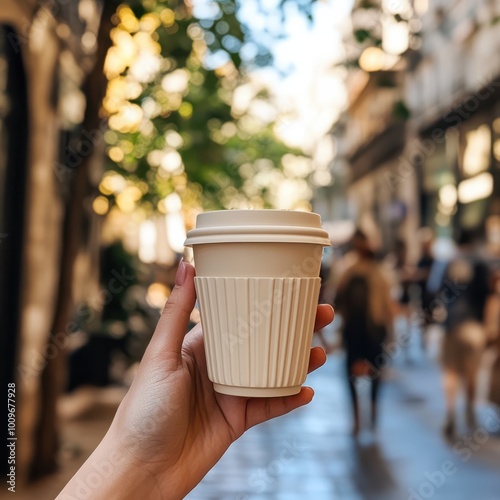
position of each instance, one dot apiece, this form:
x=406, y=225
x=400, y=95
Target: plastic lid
x=232, y=226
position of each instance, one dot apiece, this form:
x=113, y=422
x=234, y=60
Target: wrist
x=111, y=472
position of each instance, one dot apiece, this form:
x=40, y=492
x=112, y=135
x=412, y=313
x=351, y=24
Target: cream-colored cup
x=257, y=280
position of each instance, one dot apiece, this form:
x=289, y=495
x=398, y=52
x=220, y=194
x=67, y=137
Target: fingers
x=262, y=409
x=324, y=316
x=316, y=359
x=172, y=326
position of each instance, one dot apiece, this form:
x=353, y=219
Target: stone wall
x=48, y=37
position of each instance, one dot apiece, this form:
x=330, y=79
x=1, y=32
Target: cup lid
x=281, y=226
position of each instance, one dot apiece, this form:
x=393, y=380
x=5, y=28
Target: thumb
x=174, y=320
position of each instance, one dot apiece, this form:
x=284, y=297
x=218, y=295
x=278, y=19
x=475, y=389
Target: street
x=311, y=453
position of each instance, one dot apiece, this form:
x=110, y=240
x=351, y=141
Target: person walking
x=363, y=300
x=424, y=266
x=325, y=297
x=492, y=325
x=402, y=274
x=464, y=292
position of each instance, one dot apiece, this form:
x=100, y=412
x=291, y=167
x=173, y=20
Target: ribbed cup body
x=257, y=332
x=257, y=283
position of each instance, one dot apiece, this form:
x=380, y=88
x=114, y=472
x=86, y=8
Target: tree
x=173, y=130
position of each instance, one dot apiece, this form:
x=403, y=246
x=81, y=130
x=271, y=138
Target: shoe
x=449, y=428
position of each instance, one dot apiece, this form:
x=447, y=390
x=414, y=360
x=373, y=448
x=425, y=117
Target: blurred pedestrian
x=403, y=276
x=424, y=266
x=325, y=295
x=404, y=273
x=363, y=299
x=492, y=324
x=464, y=292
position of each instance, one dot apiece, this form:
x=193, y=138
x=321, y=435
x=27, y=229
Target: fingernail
x=180, y=276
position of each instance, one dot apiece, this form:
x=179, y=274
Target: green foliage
x=370, y=34
x=368, y=4
x=211, y=142
x=362, y=35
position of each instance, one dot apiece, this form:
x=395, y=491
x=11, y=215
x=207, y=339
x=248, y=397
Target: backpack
x=359, y=327
x=356, y=297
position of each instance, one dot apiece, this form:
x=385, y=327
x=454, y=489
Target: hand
x=172, y=427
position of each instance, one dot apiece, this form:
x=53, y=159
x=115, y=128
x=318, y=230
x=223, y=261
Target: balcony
x=376, y=116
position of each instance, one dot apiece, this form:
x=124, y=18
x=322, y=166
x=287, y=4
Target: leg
x=407, y=330
x=354, y=399
x=470, y=395
x=374, y=399
x=451, y=386
x=427, y=319
x=424, y=331
x=473, y=347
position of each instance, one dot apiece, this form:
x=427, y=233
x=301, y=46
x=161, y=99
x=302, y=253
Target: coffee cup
x=257, y=282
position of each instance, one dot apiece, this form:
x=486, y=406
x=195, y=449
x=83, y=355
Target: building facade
x=421, y=139
x=453, y=92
